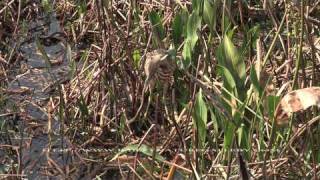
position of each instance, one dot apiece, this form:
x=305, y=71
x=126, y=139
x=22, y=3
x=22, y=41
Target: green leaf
x=272, y=104
x=229, y=57
x=254, y=33
x=232, y=54
x=177, y=29
x=229, y=130
x=144, y=149
x=194, y=23
x=209, y=14
x=200, y=118
x=250, y=38
x=255, y=81
x=196, y=5
x=46, y=6
x=157, y=26
x=187, y=54
x=72, y=62
x=243, y=139
x=215, y=121
x=228, y=80
x=220, y=56
x=136, y=58
x=184, y=17
x=230, y=88
x=82, y=8
x=83, y=106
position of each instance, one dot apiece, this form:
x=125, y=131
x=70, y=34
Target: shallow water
x=38, y=81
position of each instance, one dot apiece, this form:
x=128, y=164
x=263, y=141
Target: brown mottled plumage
x=158, y=67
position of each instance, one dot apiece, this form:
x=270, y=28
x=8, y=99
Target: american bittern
x=158, y=67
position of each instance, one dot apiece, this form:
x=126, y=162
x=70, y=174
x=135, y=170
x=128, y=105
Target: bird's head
x=160, y=60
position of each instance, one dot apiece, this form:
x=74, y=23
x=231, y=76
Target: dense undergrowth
x=235, y=59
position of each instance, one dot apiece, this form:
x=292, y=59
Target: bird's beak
x=164, y=57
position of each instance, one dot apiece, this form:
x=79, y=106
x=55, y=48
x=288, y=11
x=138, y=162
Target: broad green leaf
x=220, y=56
x=83, y=106
x=72, y=62
x=272, y=104
x=231, y=88
x=228, y=80
x=177, y=29
x=46, y=6
x=157, y=26
x=229, y=131
x=196, y=5
x=136, y=58
x=82, y=8
x=225, y=20
x=144, y=149
x=209, y=14
x=187, y=54
x=184, y=17
x=254, y=34
x=215, y=122
x=243, y=140
x=233, y=55
x=229, y=57
x=317, y=154
x=194, y=23
x=240, y=134
x=255, y=81
x=250, y=38
x=200, y=118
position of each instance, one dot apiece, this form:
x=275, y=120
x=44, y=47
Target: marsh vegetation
x=159, y=89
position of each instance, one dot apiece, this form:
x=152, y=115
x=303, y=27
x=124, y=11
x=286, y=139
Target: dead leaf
x=19, y=90
x=296, y=101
